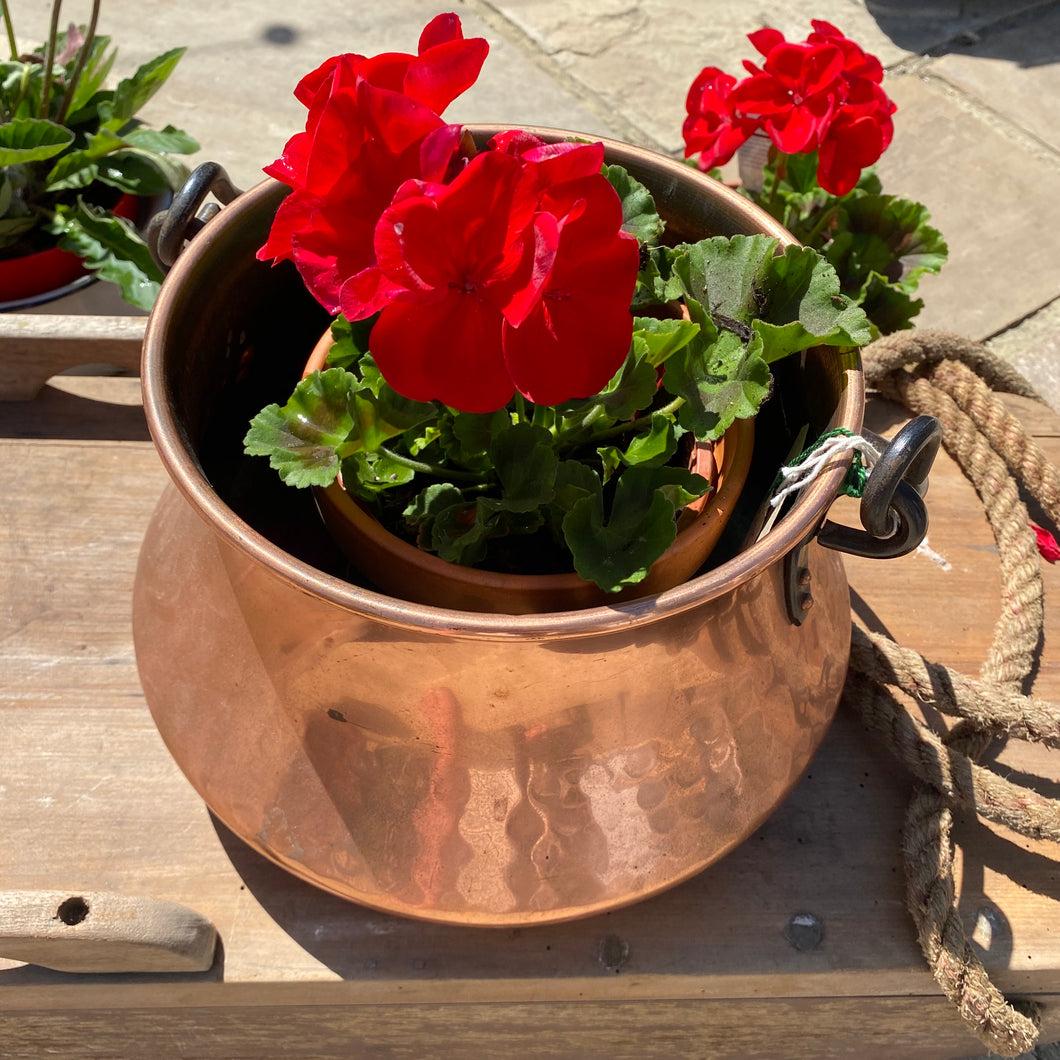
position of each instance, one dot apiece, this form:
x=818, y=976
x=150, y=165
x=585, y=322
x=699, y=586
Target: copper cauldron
x=481, y=769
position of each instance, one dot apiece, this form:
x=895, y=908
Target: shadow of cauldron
x=469, y=768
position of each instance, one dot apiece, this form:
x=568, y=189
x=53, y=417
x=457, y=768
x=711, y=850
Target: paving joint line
x=976, y=108
x=922, y=66
x=602, y=108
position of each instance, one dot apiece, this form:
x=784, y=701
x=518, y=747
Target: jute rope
x=955, y=379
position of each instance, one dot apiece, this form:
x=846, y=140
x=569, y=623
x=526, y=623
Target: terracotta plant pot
x=472, y=768
x=49, y=274
x=402, y=570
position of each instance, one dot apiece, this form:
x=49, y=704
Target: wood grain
x=90, y=799
x=98, y=931
x=34, y=348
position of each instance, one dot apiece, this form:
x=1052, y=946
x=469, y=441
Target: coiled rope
x=954, y=379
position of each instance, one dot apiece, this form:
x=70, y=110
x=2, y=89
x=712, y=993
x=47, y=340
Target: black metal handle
x=171, y=229
x=892, y=509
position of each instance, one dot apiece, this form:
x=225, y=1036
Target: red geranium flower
x=795, y=93
x=501, y=280
x=372, y=124
x=857, y=63
x=578, y=333
x=714, y=127
x=451, y=260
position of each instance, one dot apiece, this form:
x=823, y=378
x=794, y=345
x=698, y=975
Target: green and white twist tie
x=809, y=465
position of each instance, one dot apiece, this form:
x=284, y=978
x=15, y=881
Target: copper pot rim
x=187, y=474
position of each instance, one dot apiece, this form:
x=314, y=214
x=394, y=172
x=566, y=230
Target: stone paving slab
x=921, y=25
x=1033, y=349
x=988, y=196
x=640, y=58
x=1016, y=72
x=232, y=90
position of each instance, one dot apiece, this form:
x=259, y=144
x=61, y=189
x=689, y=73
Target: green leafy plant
x=820, y=106
x=71, y=148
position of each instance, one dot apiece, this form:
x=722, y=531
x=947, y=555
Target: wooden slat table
x=91, y=800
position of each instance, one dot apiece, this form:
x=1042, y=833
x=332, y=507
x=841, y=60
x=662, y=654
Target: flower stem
x=821, y=224
x=49, y=59
x=431, y=469
x=12, y=44
x=779, y=169
x=642, y=424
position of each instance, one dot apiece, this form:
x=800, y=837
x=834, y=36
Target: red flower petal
x=396, y=120
x=440, y=30
x=578, y=334
x=412, y=244
x=443, y=72
x=765, y=39
x=367, y=293
x=713, y=127
x=805, y=69
x=528, y=296
x=1048, y=549
x=448, y=350
x=850, y=145
x=293, y=215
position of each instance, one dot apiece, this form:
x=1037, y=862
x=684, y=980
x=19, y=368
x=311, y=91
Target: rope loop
x=954, y=379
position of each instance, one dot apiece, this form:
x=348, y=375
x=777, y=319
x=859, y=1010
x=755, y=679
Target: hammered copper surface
x=472, y=768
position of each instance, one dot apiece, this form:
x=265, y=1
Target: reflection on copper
x=471, y=768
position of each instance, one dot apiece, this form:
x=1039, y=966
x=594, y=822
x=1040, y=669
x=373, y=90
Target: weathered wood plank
x=33, y=348
x=740, y=1029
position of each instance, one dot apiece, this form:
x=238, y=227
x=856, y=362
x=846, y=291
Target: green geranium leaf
x=610, y=461
x=639, y=216
x=467, y=437
x=656, y=283
x=618, y=551
x=574, y=480
x=459, y=534
x=655, y=446
x=792, y=300
x=886, y=235
x=630, y=389
x=720, y=379
x=655, y=340
x=32, y=140
x=133, y=92
x=111, y=248
x=370, y=471
x=430, y=501
x=804, y=307
x=887, y=306
x=350, y=344
x=652, y=448
x=526, y=466
x=384, y=413
x=305, y=438
x=726, y=276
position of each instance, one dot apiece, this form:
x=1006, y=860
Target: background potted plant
x=521, y=351
x=77, y=167
x=808, y=124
